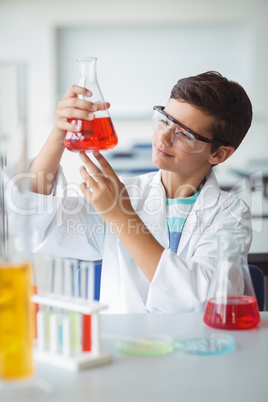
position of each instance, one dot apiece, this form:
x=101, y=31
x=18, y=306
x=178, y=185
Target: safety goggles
x=181, y=136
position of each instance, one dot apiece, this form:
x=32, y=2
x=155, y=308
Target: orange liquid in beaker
x=96, y=134
x=237, y=312
x=16, y=324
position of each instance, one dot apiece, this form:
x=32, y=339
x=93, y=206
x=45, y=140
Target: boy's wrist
x=57, y=136
x=128, y=224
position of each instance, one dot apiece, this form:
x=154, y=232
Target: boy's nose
x=166, y=137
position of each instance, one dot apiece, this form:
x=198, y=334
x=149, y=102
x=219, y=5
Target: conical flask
x=97, y=134
x=231, y=300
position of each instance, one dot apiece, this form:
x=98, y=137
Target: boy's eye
x=164, y=122
x=184, y=134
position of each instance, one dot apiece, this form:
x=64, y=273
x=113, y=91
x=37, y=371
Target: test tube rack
x=64, y=356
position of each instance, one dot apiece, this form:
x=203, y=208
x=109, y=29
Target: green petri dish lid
x=146, y=345
x=213, y=344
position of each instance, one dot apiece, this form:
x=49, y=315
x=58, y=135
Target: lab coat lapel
x=153, y=212
x=199, y=218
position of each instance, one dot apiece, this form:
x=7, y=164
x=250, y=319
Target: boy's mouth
x=162, y=153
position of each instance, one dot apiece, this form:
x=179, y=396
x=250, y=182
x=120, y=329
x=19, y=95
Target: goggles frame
x=198, y=137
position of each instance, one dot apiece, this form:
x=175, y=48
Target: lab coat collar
x=207, y=198
x=210, y=190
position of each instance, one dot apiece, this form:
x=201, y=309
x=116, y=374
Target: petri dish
x=145, y=345
x=213, y=344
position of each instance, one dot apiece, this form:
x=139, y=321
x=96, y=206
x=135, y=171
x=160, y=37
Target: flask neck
x=87, y=71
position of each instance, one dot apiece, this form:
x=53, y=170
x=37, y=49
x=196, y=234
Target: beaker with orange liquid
x=96, y=134
x=18, y=380
x=16, y=321
x=231, y=302
x=16, y=309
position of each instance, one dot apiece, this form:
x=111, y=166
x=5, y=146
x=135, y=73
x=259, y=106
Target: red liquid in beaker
x=96, y=134
x=237, y=312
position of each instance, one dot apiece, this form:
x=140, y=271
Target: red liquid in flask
x=237, y=312
x=94, y=135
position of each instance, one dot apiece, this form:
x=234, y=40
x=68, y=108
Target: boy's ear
x=222, y=153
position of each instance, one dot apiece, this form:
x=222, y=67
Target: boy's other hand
x=104, y=190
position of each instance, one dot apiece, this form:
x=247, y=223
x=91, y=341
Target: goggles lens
x=179, y=137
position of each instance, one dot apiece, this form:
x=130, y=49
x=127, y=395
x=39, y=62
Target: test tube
x=96, y=346
x=41, y=330
x=35, y=305
x=87, y=292
x=75, y=318
x=54, y=333
x=67, y=342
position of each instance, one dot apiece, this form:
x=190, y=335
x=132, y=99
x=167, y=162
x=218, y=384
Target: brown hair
x=226, y=101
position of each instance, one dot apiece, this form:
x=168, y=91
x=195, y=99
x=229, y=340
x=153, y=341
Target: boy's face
x=170, y=158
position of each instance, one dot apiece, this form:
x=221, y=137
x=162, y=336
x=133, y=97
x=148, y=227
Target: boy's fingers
x=102, y=105
x=100, y=175
x=85, y=190
x=74, y=114
x=66, y=126
x=93, y=169
x=89, y=180
x=105, y=165
x=76, y=103
x=75, y=90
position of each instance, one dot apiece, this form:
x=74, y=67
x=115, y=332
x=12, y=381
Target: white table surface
x=237, y=376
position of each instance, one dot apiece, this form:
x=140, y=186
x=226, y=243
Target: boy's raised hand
x=71, y=107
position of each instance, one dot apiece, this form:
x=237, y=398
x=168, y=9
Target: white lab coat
x=69, y=227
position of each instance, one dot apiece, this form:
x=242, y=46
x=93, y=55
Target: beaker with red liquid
x=231, y=300
x=96, y=134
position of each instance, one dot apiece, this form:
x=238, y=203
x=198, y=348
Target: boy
x=156, y=233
